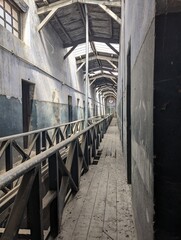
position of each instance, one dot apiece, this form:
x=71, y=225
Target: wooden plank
x=110, y=218
x=102, y=210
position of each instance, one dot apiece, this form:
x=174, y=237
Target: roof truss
x=64, y=3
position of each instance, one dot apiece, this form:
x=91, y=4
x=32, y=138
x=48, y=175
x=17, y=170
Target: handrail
x=65, y=163
x=11, y=137
x=21, y=169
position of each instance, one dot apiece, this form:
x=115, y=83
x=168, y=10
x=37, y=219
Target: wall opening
x=27, y=102
x=129, y=115
x=70, y=109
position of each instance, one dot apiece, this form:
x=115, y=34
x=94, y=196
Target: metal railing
x=36, y=190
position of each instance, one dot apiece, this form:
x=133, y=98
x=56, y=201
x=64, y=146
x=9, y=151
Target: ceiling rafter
x=111, y=47
x=94, y=78
x=101, y=75
x=64, y=3
x=111, y=13
x=82, y=13
x=105, y=89
x=92, y=39
x=69, y=52
x=47, y=19
x=104, y=68
x=108, y=93
x=101, y=57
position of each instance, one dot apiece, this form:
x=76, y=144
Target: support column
x=87, y=67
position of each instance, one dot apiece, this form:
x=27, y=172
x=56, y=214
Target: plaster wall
x=38, y=58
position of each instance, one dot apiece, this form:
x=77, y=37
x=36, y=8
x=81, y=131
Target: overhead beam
x=64, y=3
x=106, y=90
x=93, y=39
x=78, y=69
x=47, y=19
x=103, y=68
x=69, y=52
x=101, y=76
x=106, y=58
x=111, y=47
x=111, y=63
x=108, y=93
x=111, y=13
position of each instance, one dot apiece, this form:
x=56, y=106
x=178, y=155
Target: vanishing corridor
x=102, y=207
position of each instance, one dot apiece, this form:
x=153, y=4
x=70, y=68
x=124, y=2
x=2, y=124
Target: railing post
x=75, y=165
x=54, y=186
x=34, y=208
x=9, y=160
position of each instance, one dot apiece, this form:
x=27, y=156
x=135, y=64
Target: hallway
x=102, y=207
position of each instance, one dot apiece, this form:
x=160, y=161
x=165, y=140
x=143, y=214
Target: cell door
x=129, y=116
x=27, y=99
x=70, y=114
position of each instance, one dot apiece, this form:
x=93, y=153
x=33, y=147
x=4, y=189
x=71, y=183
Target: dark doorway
x=128, y=107
x=27, y=100
x=70, y=117
x=84, y=108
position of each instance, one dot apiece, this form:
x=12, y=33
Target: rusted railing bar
x=20, y=170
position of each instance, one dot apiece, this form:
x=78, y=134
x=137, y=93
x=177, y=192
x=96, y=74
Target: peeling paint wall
x=38, y=59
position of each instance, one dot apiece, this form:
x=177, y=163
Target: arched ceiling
x=68, y=19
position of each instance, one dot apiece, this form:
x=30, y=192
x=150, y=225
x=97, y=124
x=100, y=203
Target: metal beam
x=101, y=76
x=47, y=19
x=111, y=47
x=111, y=13
x=103, y=68
x=69, y=52
x=63, y=3
x=93, y=79
x=112, y=64
x=87, y=67
x=106, y=58
x=93, y=39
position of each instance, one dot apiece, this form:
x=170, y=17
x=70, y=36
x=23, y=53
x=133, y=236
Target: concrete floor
x=102, y=207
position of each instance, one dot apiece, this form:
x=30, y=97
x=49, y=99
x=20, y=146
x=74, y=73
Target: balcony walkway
x=102, y=207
